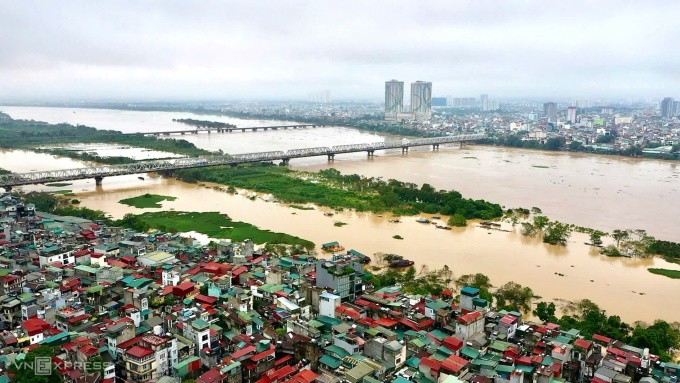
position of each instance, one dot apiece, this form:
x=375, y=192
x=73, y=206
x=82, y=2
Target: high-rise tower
x=394, y=99
x=421, y=100
x=668, y=107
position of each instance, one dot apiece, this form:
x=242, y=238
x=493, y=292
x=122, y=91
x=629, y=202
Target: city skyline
x=285, y=51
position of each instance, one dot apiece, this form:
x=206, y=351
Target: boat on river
x=423, y=220
x=401, y=263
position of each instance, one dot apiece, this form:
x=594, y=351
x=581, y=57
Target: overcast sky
x=197, y=50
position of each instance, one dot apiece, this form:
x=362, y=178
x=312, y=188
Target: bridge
x=225, y=129
x=7, y=181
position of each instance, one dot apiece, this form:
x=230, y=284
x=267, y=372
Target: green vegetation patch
x=675, y=274
x=16, y=134
x=146, y=201
x=541, y=166
x=397, y=236
x=212, y=224
x=339, y=224
x=63, y=192
x=330, y=188
x=59, y=184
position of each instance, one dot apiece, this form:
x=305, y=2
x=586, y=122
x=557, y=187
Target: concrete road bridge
x=226, y=129
x=98, y=173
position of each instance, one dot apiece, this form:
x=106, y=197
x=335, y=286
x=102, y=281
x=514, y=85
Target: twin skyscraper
x=421, y=101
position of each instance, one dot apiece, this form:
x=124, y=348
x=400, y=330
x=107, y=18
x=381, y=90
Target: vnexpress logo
x=42, y=365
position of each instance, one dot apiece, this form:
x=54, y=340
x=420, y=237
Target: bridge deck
x=225, y=129
x=99, y=172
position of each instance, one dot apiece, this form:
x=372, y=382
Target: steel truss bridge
x=7, y=181
x=225, y=129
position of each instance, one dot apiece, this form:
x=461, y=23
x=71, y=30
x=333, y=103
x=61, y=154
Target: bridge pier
x=194, y=132
x=435, y=147
x=404, y=149
x=371, y=153
x=285, y=161
x=243, y=130
x=98, y=180
x=331, y=157
x=7, y=188
x=233, y=165
x=461, y=144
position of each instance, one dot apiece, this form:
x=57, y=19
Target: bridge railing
x=307, y=152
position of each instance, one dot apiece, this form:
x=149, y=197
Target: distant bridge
x=225, y=129
x=7, y=181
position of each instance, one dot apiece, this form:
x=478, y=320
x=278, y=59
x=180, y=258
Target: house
x=156, y=258
x=469, y=324
x=36, y=328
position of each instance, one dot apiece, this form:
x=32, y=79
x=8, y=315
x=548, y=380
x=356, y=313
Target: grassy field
x=59, y=184
x=212, y=224
x=147, y=201
x=675, y=274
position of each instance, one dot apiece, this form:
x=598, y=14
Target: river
x=553, y=181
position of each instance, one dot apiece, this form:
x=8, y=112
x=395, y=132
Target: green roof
x=469, y=352
x=524, y=368
x=436, y=305
x=563, y=339
x=185, y=362
x=417, y=342
x=484, y=363
x=339, y=351
x=330, y=361
x=505, y=368
x=95, y=289
x=86, y=269
x=200, y=324
x=499, y=346
x=413, y=362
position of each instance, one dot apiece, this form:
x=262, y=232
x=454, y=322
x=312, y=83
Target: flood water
x=594, y=191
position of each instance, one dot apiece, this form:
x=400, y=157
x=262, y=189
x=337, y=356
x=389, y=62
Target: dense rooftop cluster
x=109, y=304
x=599, y=129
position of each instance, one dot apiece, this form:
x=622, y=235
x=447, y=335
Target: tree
x=513, y=296
x=457, y=220
x=590, y=319
x=555, y=143
x=619, y=235
x=557, y=234
x=545, y=312
x=541, y=221
x=596, y=238
x=478, y=280
x=576, y=146
x=25, y=372
x=528, y=229
x=660, y=338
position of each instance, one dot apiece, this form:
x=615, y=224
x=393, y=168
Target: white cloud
x=287, y=49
